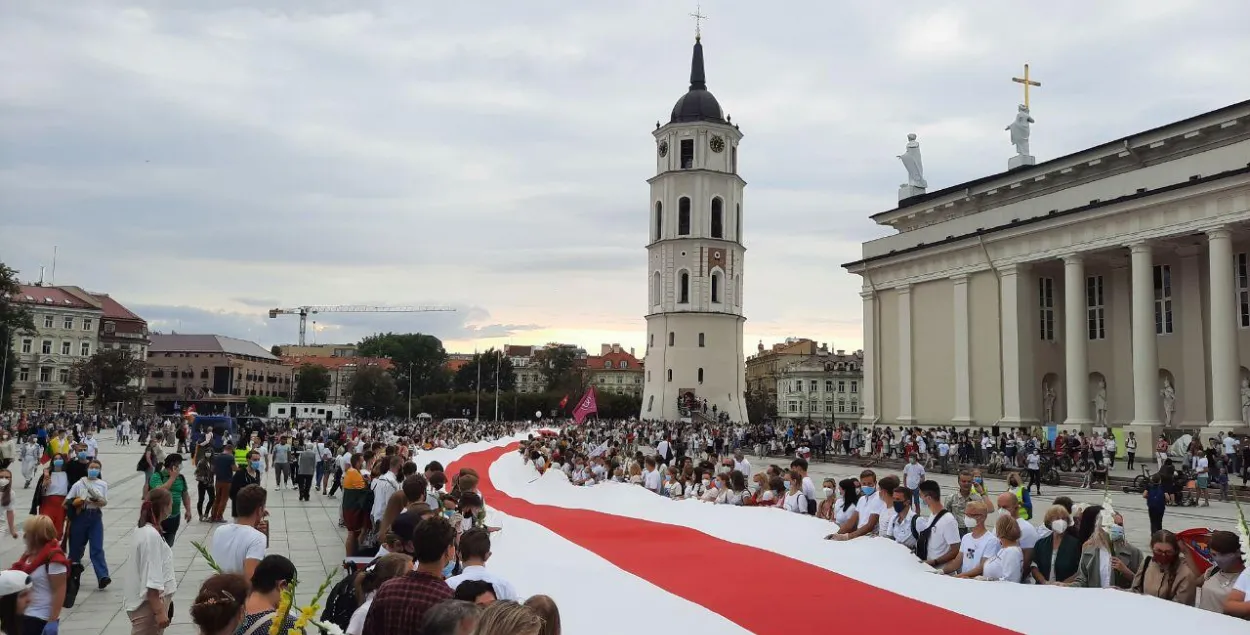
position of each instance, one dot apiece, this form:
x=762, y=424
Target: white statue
x=1169, y=401
x=911, y=161
x=1048, y=400
x=1245, y=401
x=1100, y=404
x=1020, y=130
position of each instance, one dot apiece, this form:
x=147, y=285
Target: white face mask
x=828, y=492
x=970, y=522
x=1059, y=526
x=4, y=482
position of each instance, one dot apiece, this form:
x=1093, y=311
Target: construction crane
x=304, y=311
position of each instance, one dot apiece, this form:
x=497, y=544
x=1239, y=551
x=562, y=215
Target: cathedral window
x=733, y=159
x=1046, y=304
x=718, y=218
x=716, y=287
x=687, y=154
x=700, y=375
x=659, y=220
x=683, y=216
x=1096, y=308
x=1163, y=299
x=670, y=374
x=1243, y=290
x=683, y=290
x=738, y=222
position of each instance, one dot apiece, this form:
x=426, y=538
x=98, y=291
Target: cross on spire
x=698, y=21
x=1027, y=82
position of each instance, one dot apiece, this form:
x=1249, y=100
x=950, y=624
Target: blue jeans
x=88, y=526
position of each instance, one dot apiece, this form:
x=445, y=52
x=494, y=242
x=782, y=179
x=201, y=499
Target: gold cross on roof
x=1027, y=82
x=698, y=21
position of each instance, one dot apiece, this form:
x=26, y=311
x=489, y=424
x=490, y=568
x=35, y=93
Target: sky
x=205, y=161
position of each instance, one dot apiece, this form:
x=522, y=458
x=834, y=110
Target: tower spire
x=698, y=81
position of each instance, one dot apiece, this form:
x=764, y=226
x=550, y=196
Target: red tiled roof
x=454, y=365
x=336, y=363
x=516, y=350
x=631, y=362
x=48, y=296
x=113, y=309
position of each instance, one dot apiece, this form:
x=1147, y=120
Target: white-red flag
x=585, y=407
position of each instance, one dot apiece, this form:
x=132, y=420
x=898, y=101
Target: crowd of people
x=418, y=539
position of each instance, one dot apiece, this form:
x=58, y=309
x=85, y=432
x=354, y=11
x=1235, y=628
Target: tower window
x=671, y=338
x=659, y=220
x=670, y=374
x=700, y=340
x=687, y=154
x=738, y=223
x=733, y=159
x=716, y=287
x=656, y=291
x=683, y=216
x=683, y=292
x=700, y=375
x=718, y=218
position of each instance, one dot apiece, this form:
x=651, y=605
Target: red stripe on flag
x=682, y=561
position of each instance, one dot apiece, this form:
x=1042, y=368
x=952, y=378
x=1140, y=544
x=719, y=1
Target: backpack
x=341, y=603
x=1155, y=497
x=922, y=537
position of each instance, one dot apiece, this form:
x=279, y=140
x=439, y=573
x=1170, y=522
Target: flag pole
x=477, y=387
x=498, y=363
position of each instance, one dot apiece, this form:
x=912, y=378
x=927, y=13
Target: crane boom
x=304, y=311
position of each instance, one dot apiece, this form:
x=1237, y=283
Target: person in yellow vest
x=59, y=444
x=240, y=456
x=1024, y=503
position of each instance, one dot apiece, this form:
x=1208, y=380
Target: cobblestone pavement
x=307, y=533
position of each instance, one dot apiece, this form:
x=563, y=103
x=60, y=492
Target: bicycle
x=1140, y=482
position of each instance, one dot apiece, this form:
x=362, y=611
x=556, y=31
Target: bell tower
x=695, y=263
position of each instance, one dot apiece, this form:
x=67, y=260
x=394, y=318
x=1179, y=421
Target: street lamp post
x=409, y=392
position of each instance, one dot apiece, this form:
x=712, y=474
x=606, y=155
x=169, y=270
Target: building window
x=733, y=159
x=718, y=218
x=86, y=349
x=670, y=374
x=622, y=364
x=607, y=364
x=794, y=406
x=828, y=385
x=1163, y=299
x=109, y=327
x=738, y=222
x=23, y=374
x=700, y=375
x=1096, y=310
x=841, y=405
x=650, y=402
x=659, y=220
x=683, y=216
x=701, y=340
x=812, y=406
x=716, y=288
x=47, y=347
x=1243, y=290
x=687, y=154
x=27, y=345
x=69, y=323
x=86, y=324
x=841, y=386
x=65, y=347
x=854, y=386
x=45, y=373
x=683, y=288
x=828, y=406
x=672, y=337
x=47, y=321
x=798, y=385
x=1046, y=304
x=63, y=375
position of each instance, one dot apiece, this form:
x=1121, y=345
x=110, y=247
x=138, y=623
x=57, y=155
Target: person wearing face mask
x=171, y=478
x=969, y=491
x=401, y=603
x=1218, y=581
x=1107, y=560
x=6, y=499
x=826, y=510
x=8, y=449
x=91, y=444
x=869, y=509
x=1057, y=555
x=88, y=497
x=795, y=501
x=249, y=475
x=711, y=490
x=50, y=494
x=899, y=524
x=975, y=546
x=76, y=466
x=1165, y=574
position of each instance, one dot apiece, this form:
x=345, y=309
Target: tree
x=14, y=319
x=372, y=392
x=276, y=350
x=489, y=362
x=417, y=355
x=106, y=376
x=313, y=384
x=558, y=365
x=259, y=406
x=759, y=406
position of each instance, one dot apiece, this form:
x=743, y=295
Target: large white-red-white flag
x=586, y=406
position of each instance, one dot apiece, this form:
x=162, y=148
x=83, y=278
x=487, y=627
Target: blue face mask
x=867, y=490
x=57, y=463
x=255, y=465
x=93, y=473
x=449, y=569
x=82, y=456
x=1116, y=533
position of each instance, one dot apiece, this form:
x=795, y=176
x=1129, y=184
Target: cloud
x=211, y=160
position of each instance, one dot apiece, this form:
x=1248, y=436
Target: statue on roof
x=915, y=184
x=1020, y=130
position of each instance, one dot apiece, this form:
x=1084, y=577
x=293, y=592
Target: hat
x=13, y=581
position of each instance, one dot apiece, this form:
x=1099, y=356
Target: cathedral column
x=1145, y=344
x=963, y=366
x=1017, y=375
x=1225, y=368
x=1075, y=341
x=868, y=385
x=905, y=414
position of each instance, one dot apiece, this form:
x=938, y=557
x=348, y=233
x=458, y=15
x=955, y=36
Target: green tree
x=106, y=377
x=490, y=362
x=415, y=355
x=276, y=350
x=14, y=319
x=559, y=367
x=313, y=384
x=759, y=406
x=372, y=392
x=259, y=406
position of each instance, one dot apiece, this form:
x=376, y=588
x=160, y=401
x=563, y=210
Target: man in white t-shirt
x=870, y=509
x=943, y=530
x=651, y=477
x=913, y=474
x=474, y=552
x=743, y=465
x=239, y=547
x=1008, y=503
x=898, y=525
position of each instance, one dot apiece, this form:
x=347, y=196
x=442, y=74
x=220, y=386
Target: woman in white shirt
x=795, y=501
x=392, y=565
x=88, y=497
x=150, y=580
x=1008, y=563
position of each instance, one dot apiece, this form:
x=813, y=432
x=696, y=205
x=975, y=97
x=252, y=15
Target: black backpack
x=342, y=602
x=922, y=537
